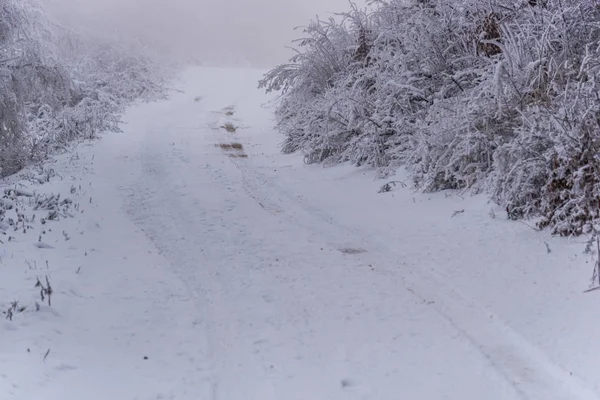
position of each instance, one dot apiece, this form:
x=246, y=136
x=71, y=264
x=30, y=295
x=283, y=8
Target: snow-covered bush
x=498, y=96
x=57, y=85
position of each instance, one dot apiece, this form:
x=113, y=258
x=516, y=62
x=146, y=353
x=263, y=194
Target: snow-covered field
x=191, y=260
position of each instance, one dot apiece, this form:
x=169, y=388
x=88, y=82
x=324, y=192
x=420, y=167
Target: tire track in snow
x=155, y=187
x=228, y=143
x=140, y=202
x=529, y=370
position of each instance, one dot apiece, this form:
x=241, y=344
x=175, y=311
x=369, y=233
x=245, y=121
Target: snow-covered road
x=224, y=270
x=290, y=303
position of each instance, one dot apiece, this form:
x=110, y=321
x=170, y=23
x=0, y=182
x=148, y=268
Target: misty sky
x=254, y=31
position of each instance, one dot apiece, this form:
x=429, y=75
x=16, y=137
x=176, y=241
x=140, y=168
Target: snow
x=186, y=267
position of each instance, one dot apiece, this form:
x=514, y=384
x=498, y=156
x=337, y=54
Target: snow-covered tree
x=57, y=85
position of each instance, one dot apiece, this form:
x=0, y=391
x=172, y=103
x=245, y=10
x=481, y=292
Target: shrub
x=487, y=96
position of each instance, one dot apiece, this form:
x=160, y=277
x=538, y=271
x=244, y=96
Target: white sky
x=251, y=31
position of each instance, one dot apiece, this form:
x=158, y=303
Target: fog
x=242, y=32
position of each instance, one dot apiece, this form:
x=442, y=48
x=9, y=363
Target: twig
x=457, y=213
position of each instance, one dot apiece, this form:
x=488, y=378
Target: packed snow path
x=228, y=271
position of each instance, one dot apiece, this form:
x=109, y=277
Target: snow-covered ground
x=191, y=261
